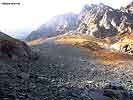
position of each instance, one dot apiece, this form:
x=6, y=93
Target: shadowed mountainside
x=14, y=49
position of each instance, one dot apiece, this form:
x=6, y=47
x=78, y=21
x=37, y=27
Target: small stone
x=115, y=83
x=24, y=76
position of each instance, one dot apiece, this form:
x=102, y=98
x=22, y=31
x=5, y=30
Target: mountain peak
x=130, y=8
x=97, y=20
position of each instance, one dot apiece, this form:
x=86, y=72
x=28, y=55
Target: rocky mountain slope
x=13, y=49
x=103, y=21
x=57, y=25
x=78, y=65
x=65, y=72
x=75, y=67
x=95, y=20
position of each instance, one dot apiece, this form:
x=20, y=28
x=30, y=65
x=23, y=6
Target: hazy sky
x=30, y=14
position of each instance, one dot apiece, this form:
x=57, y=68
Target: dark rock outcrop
x=13, y=48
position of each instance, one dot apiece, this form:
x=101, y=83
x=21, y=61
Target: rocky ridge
x=103, y=21
x=56, y=26
x=95, y=20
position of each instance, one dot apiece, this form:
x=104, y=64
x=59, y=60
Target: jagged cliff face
x=103, y=21
x=95, y=20
x=129, y=9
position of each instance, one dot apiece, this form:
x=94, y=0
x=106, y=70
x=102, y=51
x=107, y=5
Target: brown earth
x=97, y=48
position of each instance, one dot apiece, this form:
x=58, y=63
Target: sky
x=17, y=20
